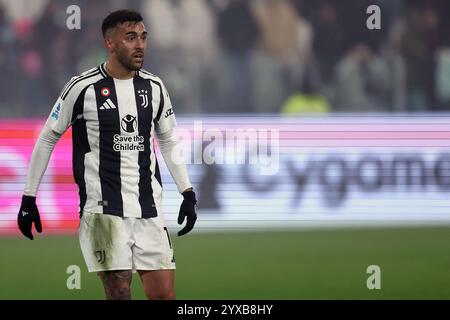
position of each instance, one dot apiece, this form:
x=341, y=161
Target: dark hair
x=119, y=16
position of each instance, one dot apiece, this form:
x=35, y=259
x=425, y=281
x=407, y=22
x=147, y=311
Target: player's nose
x=140, y=43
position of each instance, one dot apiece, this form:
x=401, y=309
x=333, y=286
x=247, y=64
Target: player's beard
x=127, y=61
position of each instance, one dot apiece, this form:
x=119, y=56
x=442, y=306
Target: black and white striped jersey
x=113, y=125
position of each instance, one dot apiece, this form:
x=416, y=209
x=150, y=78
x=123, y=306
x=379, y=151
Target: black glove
x=187, y=209
x=28, y=214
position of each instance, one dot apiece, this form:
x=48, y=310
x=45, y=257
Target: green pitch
x=303, y=264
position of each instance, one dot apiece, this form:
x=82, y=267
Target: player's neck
x=117, y=71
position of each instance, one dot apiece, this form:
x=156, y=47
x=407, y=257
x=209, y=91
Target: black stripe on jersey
x=109, y=160
x=80, y=145
x=161, y=100
x=157, y=173
x=146, y=199
x=74, y=82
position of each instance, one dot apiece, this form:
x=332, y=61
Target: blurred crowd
x=237, y=56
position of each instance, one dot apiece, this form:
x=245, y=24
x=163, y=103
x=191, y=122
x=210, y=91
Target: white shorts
x=114, y=243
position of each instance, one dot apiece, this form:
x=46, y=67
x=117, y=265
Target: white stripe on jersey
x=129, y=161
x=91, y=160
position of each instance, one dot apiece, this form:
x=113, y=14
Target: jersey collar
x=106, y=75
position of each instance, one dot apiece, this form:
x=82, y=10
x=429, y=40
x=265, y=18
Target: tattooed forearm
x=117, y=284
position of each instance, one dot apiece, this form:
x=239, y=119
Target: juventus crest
x=143, y=94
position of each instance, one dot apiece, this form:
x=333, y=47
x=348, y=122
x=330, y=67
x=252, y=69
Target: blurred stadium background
x=358, y=126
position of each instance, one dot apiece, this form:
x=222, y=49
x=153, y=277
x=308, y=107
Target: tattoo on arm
x=117, y=284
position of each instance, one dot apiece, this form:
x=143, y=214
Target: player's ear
x=109, y=43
